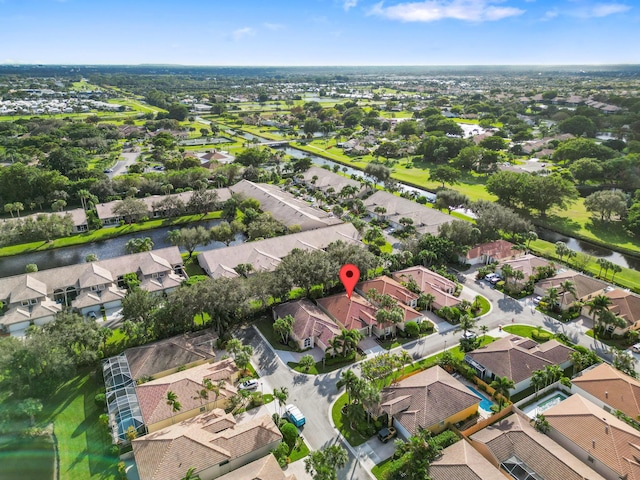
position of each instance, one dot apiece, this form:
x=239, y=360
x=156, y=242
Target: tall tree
x=323, y=464
x=173, y=402
x=502, y=387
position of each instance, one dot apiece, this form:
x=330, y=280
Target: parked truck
x=294, y=415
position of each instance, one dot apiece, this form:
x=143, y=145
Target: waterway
x=113, y=247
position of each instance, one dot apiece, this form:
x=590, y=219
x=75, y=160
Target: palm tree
x=568, y=287
x=502, y=387
x=541, y=424
x=597, y=306
x=214, y=387
x=281, y=394
x=348, y=380
x=349, y=340
x=83, y=195
x=426, y=300
x=202, y=395
x=601, y=262
x=172, y=401
x=467, y=324
x=405, y=358
x=530, y=237
x=616, y=269
x=553, y=296
x=538, y=379
x=561, y=249
x=191, y=475
x=484, y=329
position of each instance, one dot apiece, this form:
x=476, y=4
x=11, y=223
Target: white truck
x=294, y=415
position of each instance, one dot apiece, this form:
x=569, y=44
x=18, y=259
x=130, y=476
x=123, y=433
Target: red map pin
x=349, y=276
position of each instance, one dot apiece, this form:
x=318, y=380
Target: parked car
x=248, y=385
x=387, y=434
x=636, y=348
x=469, y=334
x=294, y=415
x=537, y=299
x=108, y=170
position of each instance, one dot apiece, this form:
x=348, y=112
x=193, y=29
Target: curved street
x=315, y=394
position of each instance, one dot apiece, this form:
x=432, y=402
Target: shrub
x=122, y=470
x=281, y=453
x=412, y=329
x=100, y=399
x=426, y=326
x=445, y=439
x=289, y=435
x=114, y=450
x=257, y=399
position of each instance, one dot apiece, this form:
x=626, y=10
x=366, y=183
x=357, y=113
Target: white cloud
x=273, y=26
x=588, y=10
x=347, y=4
x=241, y=33
x=433, y=10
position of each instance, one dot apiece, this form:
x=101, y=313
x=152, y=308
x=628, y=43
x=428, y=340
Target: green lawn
x=484, y=306
x=191, y=265
x=620, y=343
x=82, y=443
x=265, y=325
x=300, y=452
x=351, y=436
x=526, y=331
x=329, y=366
x=380, y=470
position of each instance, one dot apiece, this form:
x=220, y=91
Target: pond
x=597, y=251
x=110, y=248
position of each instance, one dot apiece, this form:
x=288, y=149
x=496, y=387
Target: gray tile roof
x=265, y=255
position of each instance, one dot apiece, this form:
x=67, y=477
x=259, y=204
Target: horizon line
x=19, y=64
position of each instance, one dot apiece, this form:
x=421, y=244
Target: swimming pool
x=543, y=404
x=485, y=403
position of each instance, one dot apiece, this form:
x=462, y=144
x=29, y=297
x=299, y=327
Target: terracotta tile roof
x=499, y=250
x=265, y=468
x=514, y=436
x=152, y=395
x=600, y=434
x=430, y=282
x=157, y=357
x=612, y=387
x=201, y=442
x=527, y=264
x=425, y=399
x=386, y=285
x=517, y=358
x=461, y=461
x=353, y=313
x=309, y=321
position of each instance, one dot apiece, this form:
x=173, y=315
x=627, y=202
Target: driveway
x=120, y=168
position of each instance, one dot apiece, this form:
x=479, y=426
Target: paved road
x=314, y=394
x=121, y=167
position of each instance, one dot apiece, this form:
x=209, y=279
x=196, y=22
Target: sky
x=320, y=32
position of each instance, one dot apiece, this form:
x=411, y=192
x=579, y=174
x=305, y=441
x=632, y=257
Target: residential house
x=520, y=451
x=317, y=178
x=405, y=299
x=153, y=202
x=354, y=313
x=78, y=217
x=425, y=219
x=35, y=298
x=164, y=357
x=215, y=158
x=586, y=287
x=610, y=389
x=491, y=252
x=461, y=461
x=312, y=326
x=431, y=399
x=527, y=264
x=517, y=358
x=387, y=286
x=265, y=468
x=265, y=255
x=432, y=283
x=122, y=372
x=597, y=438
x=625, y=305
x=213, y=444
x=284, y=207
x=187, y=385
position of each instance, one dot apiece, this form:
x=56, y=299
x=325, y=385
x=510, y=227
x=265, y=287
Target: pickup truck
x=294, y=415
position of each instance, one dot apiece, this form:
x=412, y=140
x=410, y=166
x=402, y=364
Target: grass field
x=82, y=443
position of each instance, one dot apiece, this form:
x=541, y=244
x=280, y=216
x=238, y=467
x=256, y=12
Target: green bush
x=281, y=452
x=101, y=400
x=114, y=450
x=289, y=434
x=426, y=326
x=445, y=439
x=412, y=329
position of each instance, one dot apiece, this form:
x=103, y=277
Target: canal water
x=110, y=248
